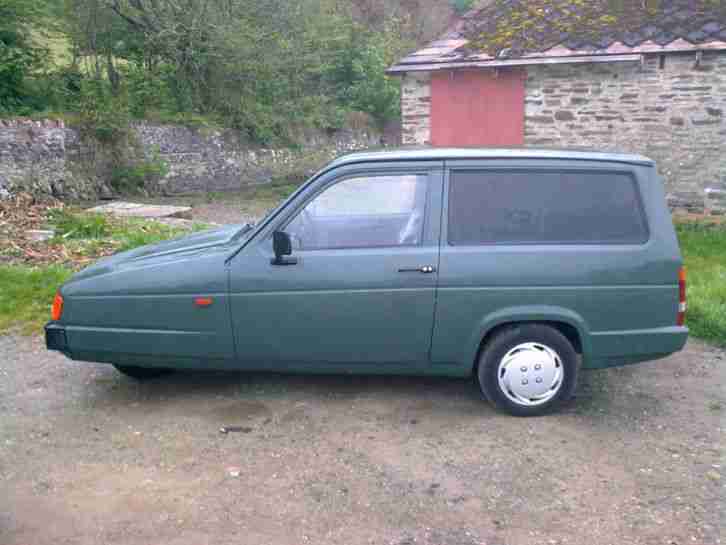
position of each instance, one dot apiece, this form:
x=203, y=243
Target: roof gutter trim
x=582, y=59
x=448, y=160
x=391, y=157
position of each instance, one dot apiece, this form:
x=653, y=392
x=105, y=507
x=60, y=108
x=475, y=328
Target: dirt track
x=87, y=456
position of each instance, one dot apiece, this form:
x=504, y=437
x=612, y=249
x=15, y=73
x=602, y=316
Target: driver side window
x=363, y=212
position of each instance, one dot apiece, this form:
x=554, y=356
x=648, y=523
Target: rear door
x=362, y=288
x=546, y=240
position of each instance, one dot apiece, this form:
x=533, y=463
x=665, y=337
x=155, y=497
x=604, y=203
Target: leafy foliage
x=19, y=55
x=262, y=67
x=266, y=68
x=102, y=113
x=360, y=71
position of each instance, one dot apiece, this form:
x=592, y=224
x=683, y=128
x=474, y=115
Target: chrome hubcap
x=530, y=374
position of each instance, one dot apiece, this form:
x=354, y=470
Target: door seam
x=438, y=262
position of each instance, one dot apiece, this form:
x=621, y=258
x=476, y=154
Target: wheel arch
x=567, y=322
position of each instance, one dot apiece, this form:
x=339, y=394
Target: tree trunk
x=113, y=76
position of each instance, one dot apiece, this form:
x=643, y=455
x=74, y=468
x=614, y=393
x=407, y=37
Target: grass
x=704, y=252
x=126, y=234
x=79, y=226
x=26, y=295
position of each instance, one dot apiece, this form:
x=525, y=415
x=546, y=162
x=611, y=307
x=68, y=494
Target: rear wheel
x=142, y=373
x=528, y=369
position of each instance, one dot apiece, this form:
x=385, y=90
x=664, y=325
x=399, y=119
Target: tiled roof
x=515, y=32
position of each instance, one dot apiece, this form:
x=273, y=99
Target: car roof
x=442, y=154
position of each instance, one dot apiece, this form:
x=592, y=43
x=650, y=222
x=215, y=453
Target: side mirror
x=282, y=246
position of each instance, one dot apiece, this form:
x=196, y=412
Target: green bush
x=148, y=91
x=104, y=115
x=19, y=56
x=367, y=87
x=52, y=91
x=130, y=178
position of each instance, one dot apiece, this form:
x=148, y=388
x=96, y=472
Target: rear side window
x=544, y=207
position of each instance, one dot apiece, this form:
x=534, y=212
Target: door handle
x=283, y=261
x=426, y=269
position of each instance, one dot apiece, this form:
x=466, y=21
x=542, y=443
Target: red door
x=477, y=108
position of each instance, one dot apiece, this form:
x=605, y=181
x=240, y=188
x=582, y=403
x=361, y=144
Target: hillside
x=260, y=67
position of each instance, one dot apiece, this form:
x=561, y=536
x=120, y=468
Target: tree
x=360, y=70
x=265, y=67
x=19, y=56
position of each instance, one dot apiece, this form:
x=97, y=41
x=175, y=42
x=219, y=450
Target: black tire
x=512, y=337
x=142, y=373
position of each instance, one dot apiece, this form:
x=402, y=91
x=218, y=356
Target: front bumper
x=55, y=338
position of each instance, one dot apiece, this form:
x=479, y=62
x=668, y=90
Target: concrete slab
x=39, y=235
x=138, y=210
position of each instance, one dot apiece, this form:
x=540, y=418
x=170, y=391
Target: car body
x=405, y=262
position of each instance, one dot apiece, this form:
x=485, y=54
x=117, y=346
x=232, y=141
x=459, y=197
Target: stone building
x=650, y=79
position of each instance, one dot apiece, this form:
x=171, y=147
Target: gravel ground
x=88, y=456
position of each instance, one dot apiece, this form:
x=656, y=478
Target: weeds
x=94, y=230
x=78, y=226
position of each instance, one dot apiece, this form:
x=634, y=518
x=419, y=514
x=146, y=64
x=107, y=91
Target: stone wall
x=38, y=157
x=672, y=112
x=46, y=158
x=416, y=109
x=218, y=160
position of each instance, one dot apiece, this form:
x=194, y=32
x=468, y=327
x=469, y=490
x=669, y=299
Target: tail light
x=56, y=310
x=682, y=304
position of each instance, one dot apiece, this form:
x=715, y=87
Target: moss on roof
x=511, y=28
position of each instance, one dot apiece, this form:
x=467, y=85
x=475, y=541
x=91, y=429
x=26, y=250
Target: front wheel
x=528, y=369
x=142, y=373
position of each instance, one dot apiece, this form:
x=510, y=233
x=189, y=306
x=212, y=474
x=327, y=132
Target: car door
x=557, y=241
x=361, y=286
